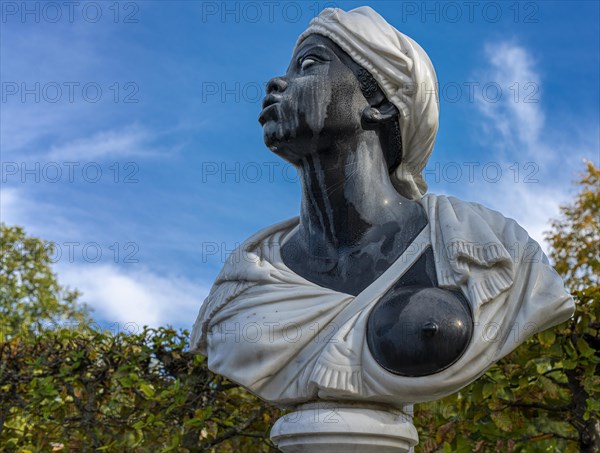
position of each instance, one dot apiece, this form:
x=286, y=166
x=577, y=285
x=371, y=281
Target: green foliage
x=96, y=391
x=575, y=238
x=30, y=297
x=77, y=389
x=545, y=395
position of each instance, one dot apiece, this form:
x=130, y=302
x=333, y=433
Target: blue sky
x=129, y=132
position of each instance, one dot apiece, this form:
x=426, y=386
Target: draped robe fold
x=289, y=340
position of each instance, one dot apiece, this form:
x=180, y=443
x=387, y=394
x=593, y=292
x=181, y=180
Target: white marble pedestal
x=342, y=427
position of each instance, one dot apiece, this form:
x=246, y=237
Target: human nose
x=276, y=84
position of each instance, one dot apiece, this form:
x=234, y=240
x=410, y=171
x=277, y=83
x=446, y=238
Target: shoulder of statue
x=448, y=209
x=250, y=259
x=248, y=265
x=276, y=231
x=475, y=246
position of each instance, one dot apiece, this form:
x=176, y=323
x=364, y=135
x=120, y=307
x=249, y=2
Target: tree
x=545, y=395
x=30, y=297
x=65, y=386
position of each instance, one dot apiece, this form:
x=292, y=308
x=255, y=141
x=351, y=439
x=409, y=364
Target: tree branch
x=234, y=431
x=564, y=407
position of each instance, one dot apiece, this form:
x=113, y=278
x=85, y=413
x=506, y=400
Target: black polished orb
x=417, y=331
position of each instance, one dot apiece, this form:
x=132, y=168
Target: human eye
x=307, y=62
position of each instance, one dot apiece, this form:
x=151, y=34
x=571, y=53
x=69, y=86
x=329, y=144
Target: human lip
x=269, y=105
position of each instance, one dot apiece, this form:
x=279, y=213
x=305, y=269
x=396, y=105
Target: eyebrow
x=304, y=50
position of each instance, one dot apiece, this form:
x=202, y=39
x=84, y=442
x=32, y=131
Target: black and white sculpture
x=378, y=295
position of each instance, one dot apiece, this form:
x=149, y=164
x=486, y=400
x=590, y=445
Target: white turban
x=405, y=74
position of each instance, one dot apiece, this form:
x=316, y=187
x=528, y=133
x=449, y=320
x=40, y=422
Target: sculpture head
x=326, y=96
x=353, y=72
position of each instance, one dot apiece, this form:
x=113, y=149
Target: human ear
x=384, y=120
x=377, y=116
x=380, y=115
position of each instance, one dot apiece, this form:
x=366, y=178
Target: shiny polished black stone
x=417, y=331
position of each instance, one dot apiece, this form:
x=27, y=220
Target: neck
x=347, y=193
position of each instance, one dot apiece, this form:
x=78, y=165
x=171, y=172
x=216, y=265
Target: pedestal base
x=338, y=427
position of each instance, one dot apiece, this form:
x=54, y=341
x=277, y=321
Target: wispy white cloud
x=517, y=130
x=9, y=204
x=517, y=116
x=18, y=207
x=532, y=207
x=131, y=141
x=139, y=296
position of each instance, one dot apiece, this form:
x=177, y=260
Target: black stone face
x=418, y=331
x=322, y=98
x=318, y=100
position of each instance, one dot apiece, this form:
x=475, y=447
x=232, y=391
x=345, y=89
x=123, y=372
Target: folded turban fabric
x=405, y=74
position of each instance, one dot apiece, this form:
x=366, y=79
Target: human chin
x=276, y=132
x=282, y=141
x=279, y=125
x=277, y=139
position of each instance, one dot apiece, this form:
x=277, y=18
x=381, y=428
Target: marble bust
x=377, y=293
